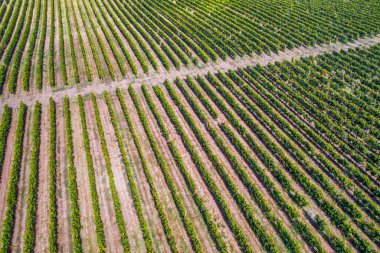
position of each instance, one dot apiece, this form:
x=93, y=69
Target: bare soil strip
x=213, y=67
x=42, y=223
x=64, y=227
x=149, y=208
x=106, y=205
x=226, y=194
x=121, y=180
x=85, y=205
x=19, y=226
x=201, y=186
x=6, y=170
x=191, y=208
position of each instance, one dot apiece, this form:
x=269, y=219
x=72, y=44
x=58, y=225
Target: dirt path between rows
x=63, y=205
x=85, y=201
x=202, y=69
x=42, y=222
x=23, y=183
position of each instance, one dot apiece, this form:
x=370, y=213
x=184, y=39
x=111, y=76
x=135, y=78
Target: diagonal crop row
x=212, y=227
x=115, y=197
x=31, y=211
x=12, y=193
x=99, y=229
x=72, y=181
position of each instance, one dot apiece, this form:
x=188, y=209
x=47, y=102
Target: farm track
x=153, y=79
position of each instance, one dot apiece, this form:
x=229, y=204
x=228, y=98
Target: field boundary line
x=29, y=99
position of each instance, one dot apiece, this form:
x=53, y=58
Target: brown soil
x=42, y=222
x=64, y=227
x=148, y=203
x=121, y=181
x=19, y=225
x=202, y=188
x=219, y=182
x=85, y=202
x=226, y=164
x=107, y=212
x=6, y=169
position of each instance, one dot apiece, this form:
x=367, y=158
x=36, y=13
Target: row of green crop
x=53, y=221
x=160, y=209
x=8, y=13
x=299, y=176
x=73, y=54
x=110, y=27
x=14, y=67
x=8, y=27
x=288, y=240
x=183, y=40
x=93, y=47
x=126, y=29
x=339, y=119
x=242, y=202
x=134, y=190
x=212, y=227
x=204, y=41
x=12, y=193
x=81, y=44
x=152, y=107
x=360, y=121
x=3, y=9
x=61, y=45
x=340, y=179
x=8, y=42
x=315, y=102
x=201, y=97
x=172, y=47
x=126, y=17
x=116, y=201
x=72, y=181
x=31, y=209
x=260, y=151
x=99, y=230
x=208, y=178
x=51, y=44
x=5, y=126
x=291, y=212
x=31, y=45
x=355, y=172
x=41, y=48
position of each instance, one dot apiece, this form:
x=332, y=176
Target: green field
x=189, y=126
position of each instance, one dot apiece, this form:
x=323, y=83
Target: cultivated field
x=189, y=126
x=49, y=44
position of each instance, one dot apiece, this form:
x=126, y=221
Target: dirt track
x=213, y=67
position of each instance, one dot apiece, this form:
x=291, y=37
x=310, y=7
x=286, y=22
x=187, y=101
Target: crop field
x=189, y=126
x=48, y=44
